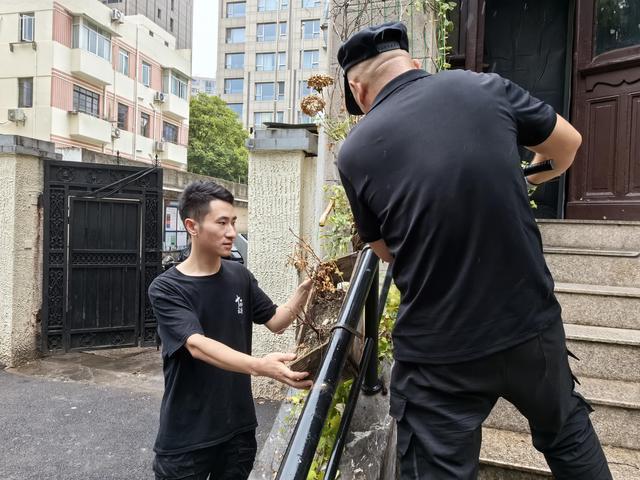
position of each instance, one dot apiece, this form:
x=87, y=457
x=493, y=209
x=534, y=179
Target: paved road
x=66, y=430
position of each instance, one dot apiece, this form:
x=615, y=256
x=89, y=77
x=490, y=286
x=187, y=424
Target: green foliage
x=388, y=320
x=216, y=140
x=444, y=27
x=530, y=190
x=339, y=229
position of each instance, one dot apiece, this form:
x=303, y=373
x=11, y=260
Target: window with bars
x=169, y=132
x=27, y=27
x=25, y=92
x=86, y=101
x=123, y=116
x=310, y=29
x=234, y=61
x=266, y=90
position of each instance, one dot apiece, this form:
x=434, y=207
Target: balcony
x=91, y=67
x=176, y=107
x=173, y=153
x=88, y=128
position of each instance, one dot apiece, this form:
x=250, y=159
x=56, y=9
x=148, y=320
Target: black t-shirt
x=434, y=170
x=204, y=405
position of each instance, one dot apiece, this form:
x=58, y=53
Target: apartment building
x=267, y=49
x=203, y=85
x=85, y=76
x=174, y=16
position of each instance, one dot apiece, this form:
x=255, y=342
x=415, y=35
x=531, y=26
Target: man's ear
x=191, y=226
x=359, y=91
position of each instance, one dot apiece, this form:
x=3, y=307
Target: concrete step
x=507, y=455
x=594, y=266
x=609, y=353
x=606, y=235
x=616, y=417
x=597, y=305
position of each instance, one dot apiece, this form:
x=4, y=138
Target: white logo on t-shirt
x=239, y=302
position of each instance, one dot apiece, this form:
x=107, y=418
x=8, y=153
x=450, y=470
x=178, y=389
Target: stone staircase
x=596, y=267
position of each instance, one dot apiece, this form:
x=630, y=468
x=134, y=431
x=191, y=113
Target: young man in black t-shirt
x=433, y=176
x=205, y=308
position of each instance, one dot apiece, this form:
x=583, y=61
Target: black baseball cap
x=365, y=44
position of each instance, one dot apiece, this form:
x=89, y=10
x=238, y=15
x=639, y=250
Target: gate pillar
x=21, y=215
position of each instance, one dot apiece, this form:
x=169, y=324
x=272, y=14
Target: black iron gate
x=102, y=249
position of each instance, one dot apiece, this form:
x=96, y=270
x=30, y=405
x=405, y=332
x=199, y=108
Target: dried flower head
x=312, y=104
x=319, y=81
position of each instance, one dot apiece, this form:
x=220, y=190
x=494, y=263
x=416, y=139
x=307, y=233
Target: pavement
x=87, y=415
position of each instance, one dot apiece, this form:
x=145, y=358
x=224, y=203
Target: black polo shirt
x=434, y=170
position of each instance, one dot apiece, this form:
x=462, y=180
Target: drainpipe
x=136, y=114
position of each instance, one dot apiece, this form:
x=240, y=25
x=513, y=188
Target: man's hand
x=287, y=313
x=273, y=366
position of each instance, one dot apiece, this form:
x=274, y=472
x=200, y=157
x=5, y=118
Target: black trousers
x=231, y=460
x=440, y=409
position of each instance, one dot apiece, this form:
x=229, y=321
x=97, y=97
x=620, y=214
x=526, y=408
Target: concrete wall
x=21, y=183
x=282, y=186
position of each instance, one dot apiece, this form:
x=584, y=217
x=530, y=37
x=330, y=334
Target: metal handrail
x=302, y=447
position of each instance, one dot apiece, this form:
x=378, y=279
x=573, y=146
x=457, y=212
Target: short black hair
x=195, y=198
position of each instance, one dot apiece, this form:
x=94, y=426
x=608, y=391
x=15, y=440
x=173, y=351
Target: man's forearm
x=220, y=355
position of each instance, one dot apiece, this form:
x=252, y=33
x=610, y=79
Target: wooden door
x=605, y=179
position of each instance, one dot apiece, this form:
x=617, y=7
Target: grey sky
x=205, y=38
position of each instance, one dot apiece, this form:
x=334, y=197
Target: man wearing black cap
x=433, y=176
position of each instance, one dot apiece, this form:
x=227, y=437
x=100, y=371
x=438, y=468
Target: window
x=272, y=5
x=86, y=101
x=283, y=30
x=151, y=33
x=171, y=24
x=304, y=118
x=144, y=124
x=159, y=13
x=265, y=90
x=179, y=86
x=617, y=25
x=233, y=85
x=263, y=117
x=311, y=3
x=282, y=61
x=309, y=59
x=235, y=35
x=172, y=4
x=146, y=74
x=123, y=64
x=27, y=24
x=266, y=32
x=90, y=37
x=210, y=87
x=304, y=89
x=310, y=29
x=237, y=108
x=234, y=60
x=237, y=9
x=266, y=62
x=170, y=132
x=123, y=116
x=25, y=92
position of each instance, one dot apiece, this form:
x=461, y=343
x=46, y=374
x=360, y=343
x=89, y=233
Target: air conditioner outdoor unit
x=115, y=132
x=160, y=146
x=159, y=97
x=17, y=115
x=117, y=16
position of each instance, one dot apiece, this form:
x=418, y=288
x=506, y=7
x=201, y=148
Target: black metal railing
x=362, y=293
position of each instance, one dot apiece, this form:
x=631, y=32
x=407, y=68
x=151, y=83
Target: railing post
x=372, y=383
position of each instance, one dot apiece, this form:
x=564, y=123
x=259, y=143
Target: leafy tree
x=216, y=140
